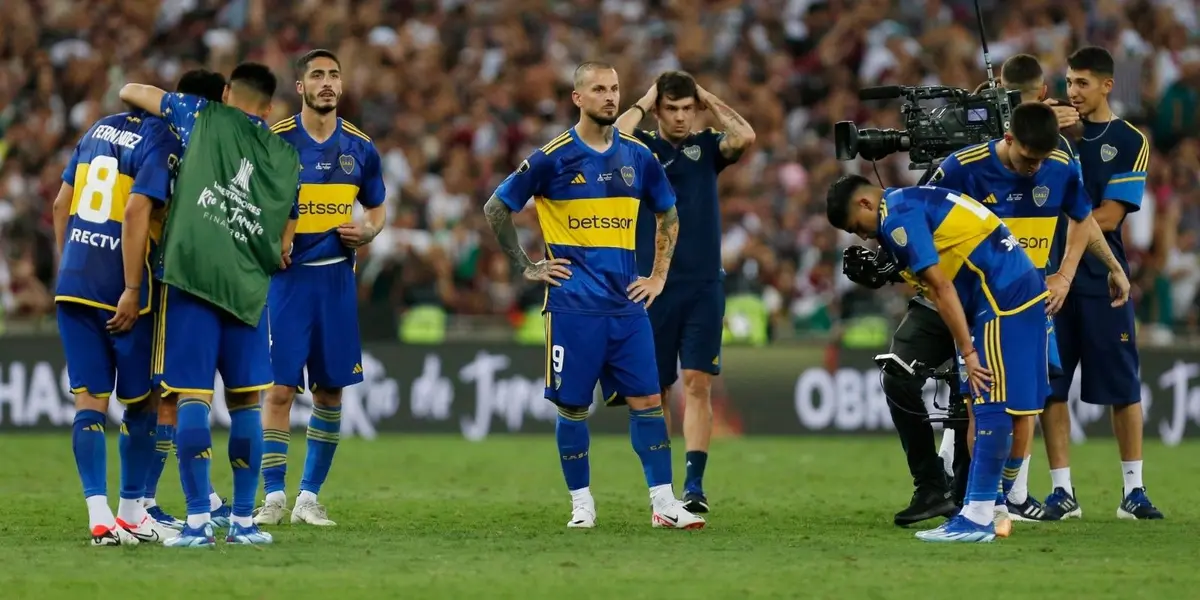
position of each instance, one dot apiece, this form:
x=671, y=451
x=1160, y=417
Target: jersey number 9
x=96, y=198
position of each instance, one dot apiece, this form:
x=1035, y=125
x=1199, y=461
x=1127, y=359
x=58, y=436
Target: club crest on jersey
x=692, y=152
x=347, y=163
x=1107, y=152
x=627, y=175
x=1041, y=194
x=900, y=236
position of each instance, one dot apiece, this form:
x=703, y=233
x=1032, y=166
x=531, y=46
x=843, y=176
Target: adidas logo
x=579, y=178
x=358, y=369
x=991, y=199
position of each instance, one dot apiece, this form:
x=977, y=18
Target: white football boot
x=671, y=514
x=311, y=513
x=583, y=513
x=271, y=513
x=148, y=531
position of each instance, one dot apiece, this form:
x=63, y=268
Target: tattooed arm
x=499, y=217
x=664, y=242
x=739, y=135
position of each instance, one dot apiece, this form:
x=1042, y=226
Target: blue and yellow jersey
x=587, y=203
x=120, y=155
x=692, y=167
x=1029, y=205
x=1114, y=156
x=333, y=175
x=927, y=226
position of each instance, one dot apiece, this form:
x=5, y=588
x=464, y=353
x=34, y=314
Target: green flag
x=235, y=191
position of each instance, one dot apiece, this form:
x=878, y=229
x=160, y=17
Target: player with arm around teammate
x=588, y=184
x=1094, y=334
x=119, y=173
x=314, y=304
x=209, y=85
x=688, y=318
x=990, y=295
x=200, y=340
x=1028, y=182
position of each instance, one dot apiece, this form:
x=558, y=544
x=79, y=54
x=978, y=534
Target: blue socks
x=274, y=459
x=694, y=480
x=648, y=433
x=1012, y=467
x=91, y=459
x=164, y=442
x=193, y=441
x=136, y=446
x=993, y=440
x=324, y=432
x=245, y=456
x=571, y=433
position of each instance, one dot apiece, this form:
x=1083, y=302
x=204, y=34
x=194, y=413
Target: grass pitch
x=437, y=517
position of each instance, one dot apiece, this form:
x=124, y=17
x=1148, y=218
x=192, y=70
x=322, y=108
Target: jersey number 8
x=96, y=198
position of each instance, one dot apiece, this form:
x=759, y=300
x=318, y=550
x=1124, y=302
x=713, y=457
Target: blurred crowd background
x=456, y=92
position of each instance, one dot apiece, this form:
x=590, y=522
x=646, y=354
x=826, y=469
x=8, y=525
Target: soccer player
x=208, y=85
x=197, y=339
x=119, y=174
x=314, y=304
x=1028, y=182
x=588, y=184
x=990, y=296
x=688, y=318
x=1094, y=334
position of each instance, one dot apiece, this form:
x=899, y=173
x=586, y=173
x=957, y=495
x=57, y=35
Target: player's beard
x=602, y=120
x=312, y=100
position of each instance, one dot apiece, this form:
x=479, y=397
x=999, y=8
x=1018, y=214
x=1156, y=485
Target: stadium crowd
x=454, y=92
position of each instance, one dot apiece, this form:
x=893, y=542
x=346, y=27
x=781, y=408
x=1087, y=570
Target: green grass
x=437, y=517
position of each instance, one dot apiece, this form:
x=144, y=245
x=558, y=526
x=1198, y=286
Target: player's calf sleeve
x=993, y=439
x=136, y=446
x=193, y=442
x=574, y=441
x=324, y=432
x=245, y=456
x=164, y=442
x=274, y=459
x=648, y=433
x=88, y=444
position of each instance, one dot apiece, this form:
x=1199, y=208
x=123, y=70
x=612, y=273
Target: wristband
x=1064, y=277
x=968, y=353
x=639, y=107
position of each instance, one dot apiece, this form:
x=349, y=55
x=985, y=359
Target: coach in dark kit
x=688, y=318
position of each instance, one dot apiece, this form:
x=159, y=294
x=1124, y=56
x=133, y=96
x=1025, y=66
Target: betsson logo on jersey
x=325, y=208
x=1036, y=243
x=597, y=222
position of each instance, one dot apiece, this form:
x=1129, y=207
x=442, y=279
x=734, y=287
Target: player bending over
x=1026, y=180
x=208, y=85
x=120, y=172
x=588, y=184
x=689, y=315
x=314, y=304
x=990, y=296
x=248, y=178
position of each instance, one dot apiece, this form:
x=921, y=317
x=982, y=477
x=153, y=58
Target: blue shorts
x=1015, y=348
x=1053, y=367
x=315, y=312
x=99, y=362
x=196, y=340
x=688, y=320
x=581, y=350
x=1101, y=340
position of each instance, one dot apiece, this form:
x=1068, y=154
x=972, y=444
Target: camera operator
x=922, y=336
